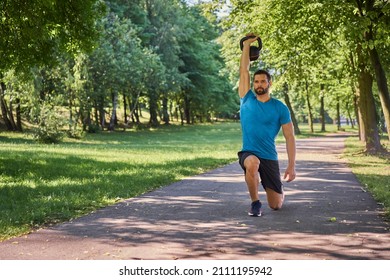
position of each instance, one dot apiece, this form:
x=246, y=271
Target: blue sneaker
x=255, y=209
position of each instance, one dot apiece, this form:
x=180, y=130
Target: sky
x=223, y=12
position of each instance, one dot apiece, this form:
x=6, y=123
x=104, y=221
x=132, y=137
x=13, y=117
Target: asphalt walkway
x=205, y=217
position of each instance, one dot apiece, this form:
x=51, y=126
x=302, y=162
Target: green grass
x=372, y=171
x=329, y=128
x=45, y=184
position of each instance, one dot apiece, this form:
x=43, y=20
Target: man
x=262, y=116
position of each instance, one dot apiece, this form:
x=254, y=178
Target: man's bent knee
x=276, y=206
x=252, y=164
x=275, y=200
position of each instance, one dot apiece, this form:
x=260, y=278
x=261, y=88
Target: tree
x=153, y=52
x=300, y=35
x=35, y=33
x=366, y=21
x=118, y=66
x=376, y=34
x=165, y=31
x=207, y=89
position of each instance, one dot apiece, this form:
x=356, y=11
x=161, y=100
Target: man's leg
x=275, y=200
x=270, y=178
x=252, y=178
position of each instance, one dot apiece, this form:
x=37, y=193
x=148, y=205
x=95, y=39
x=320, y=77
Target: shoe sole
x=255, y=215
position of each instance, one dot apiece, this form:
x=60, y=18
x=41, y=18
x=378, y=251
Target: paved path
x=205, y=217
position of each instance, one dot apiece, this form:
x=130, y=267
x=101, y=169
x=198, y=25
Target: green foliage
x=208, y=89
x=34, y=33
x=93, y=128
x=49, y=125
x=154, y=54
x=312, y=47
x=75, y=132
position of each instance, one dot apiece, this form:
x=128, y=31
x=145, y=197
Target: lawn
x=373, y=172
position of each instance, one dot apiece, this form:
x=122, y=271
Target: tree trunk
x=134, y=111
x=4, y=109
x=139, y=110
x=288, y=104
x=338, y=113
x=322, y=109
x=131, y=115
x=381, y=82
x=124, y=109
x=310, y=114
x=102, y=114
x=11, y=116
x=96, y=114
x=165, y=114
x=181, y=116
x=153, y=106
x=187, y=111
x=368, y=122
x=111, y=126
x=70, y=108
x=348, y=109
x=137, y=113
x=356, y=109
x=380, y=75
x=171, y=112
x=355, y=93
x=86, y=119
x=18, y=116
x=177, y=113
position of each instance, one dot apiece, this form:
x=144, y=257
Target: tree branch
x=359, y=4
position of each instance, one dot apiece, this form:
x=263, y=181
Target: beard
x=261, y=91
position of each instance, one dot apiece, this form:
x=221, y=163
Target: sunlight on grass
x=372, y=171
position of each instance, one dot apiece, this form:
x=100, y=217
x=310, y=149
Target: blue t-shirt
x=260, y=124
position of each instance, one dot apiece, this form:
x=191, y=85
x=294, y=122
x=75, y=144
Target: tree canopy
x=105, y=63
x=104, y=56
x=34, y=32
x=328, y=51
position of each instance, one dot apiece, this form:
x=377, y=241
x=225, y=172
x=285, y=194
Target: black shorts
x=268, y=169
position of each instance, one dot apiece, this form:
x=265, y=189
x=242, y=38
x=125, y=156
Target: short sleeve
x=285, y=116
x=246, y=97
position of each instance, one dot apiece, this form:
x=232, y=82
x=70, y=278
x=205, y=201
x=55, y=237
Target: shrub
x=49, y=126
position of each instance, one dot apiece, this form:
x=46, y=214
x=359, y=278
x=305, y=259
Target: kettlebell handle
x=247, y=37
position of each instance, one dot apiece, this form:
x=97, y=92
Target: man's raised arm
x=244, y=83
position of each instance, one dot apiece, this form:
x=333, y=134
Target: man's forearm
x=244, y=83
x=291, y=151
x=245, y=62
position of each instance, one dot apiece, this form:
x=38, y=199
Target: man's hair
x=262, y=71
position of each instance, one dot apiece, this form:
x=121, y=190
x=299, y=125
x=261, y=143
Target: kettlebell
x=254, y=52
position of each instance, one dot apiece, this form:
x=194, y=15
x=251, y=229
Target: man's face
x=261, y=84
